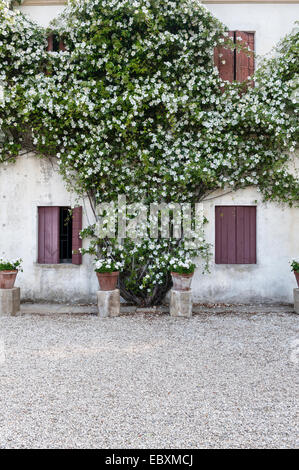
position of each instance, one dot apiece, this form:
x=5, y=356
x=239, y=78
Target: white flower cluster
x=107, y=265
x=183, y=263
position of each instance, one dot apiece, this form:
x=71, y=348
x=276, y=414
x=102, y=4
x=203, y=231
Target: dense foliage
x=135, y=106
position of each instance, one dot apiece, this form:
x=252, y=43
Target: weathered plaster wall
x=32, y=182
x=42, y=14
x=277, y=244
x=25, y=185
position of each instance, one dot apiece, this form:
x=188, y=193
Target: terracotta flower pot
x=181, y=281
x=108, y=281
x=297, y=277
x=7, y=279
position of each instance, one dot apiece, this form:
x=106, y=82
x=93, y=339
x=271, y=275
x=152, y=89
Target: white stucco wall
x=42, y=14
x=270, y=21
x=277, y=244
x=25, y=185
x=32, y=182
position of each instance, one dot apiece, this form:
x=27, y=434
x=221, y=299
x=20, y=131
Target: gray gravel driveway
x=149, y=381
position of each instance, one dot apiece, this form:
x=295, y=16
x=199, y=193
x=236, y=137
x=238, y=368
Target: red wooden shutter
x=244, y=63
x=226, y=70
x=50, y=43
x=76, y=240
x=246, y=234
x=48, y=235
x=225, y=235
x=61, y=45
x=235, y=235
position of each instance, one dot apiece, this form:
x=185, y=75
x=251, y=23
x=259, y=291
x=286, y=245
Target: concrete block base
x=296, y=300
x=108, y=303
x=180, y=303
x=9, y=301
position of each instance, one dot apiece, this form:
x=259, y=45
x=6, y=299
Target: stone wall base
x=9, y=301
x=296, y=300
x=180, y=303
x=108, y=303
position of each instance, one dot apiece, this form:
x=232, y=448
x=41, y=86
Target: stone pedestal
x=9, y=301
x=180, y=303
x=296, y=300
x=108, y=303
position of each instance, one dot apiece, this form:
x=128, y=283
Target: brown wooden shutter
x=246, y=234
x=48, y=235
x=61, y=45
x=54, y=43
x=76, y=240
x=50, y=43
x=244, y=63
x=226, y=71
x=235, y=235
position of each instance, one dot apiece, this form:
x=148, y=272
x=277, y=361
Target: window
x=55, y=43
x=235, y=234
x=233, y=65
x=58, y=235
x=65, y=235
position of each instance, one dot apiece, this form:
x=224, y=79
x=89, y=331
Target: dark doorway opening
x=65, y=235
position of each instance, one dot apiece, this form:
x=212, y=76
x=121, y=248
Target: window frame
x=77, y=221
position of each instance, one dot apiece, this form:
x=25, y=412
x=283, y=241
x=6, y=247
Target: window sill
x=57, y=266
x=237, y=268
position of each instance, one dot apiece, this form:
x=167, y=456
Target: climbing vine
x=135, y=106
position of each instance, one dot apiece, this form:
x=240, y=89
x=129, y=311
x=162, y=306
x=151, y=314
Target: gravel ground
x=150, y=381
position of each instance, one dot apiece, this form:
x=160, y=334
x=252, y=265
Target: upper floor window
x=232, y=64
x=55, y=43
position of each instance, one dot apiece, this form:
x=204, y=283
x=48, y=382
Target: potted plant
x=182, y=271
x=8, y=273
x=295, y=269
x=107, y=271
